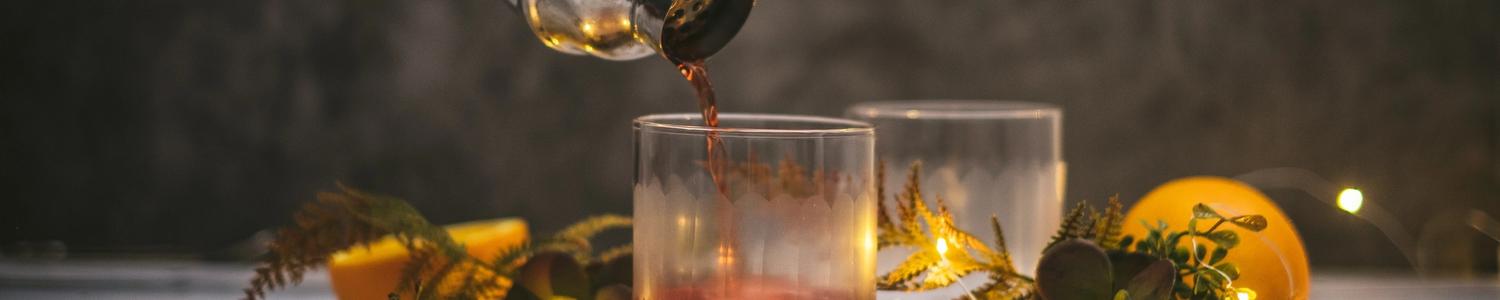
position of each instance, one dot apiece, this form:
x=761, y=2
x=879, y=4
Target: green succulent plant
x=1201, y=272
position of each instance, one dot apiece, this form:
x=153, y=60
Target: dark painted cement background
x=178, y=126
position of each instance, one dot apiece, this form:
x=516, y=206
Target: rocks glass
x=787, y=212
x=983, y=158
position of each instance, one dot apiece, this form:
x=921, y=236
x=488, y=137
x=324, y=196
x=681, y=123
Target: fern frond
x=901, y=277
x=439, y=267
x=934, y=225
x=1000, y=257
x=943, y=225
x=509, y=260
x=965, y=254
x=910, y=198
x=944, y=275
x=469, y=277
x=422, y=263
x=586, y=229
x=1004, y=286
x=891, y=239
x=889, y=233
x=574, y=239
x=882, y=215
x=1086, y=229
x=574, y=247
x=335, y=221
x=1075, y=225
x=468, y=280
x=431, y=288
x=942, y=209
x=615, y=253
x=1108, y=227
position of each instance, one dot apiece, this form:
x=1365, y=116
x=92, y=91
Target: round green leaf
x=1229, y=269
x=1250, y=222
x=550, y=275
x=1201, y=211
x=613, y=292
x=604, y=274
x=1225, y=238
x=1218, y=255
x=1074, y=270
x=1154, y=282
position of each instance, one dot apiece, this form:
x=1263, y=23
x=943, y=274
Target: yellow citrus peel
x=373, y=272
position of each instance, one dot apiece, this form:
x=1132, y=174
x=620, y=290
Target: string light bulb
x=1244, y=294
x=588, y=27
x=1351, y=200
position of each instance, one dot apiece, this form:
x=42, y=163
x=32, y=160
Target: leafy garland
x=1088, y=257
x=562, y=265
x=337, y=221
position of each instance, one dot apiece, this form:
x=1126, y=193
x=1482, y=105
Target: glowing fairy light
x=1351, y=199
x=942, y=250
x=587, y=27
x=1244, y=294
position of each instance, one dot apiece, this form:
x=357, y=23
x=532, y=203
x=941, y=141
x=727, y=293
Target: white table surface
x=73, y=279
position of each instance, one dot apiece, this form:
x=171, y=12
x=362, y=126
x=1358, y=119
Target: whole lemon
x=1271, y=262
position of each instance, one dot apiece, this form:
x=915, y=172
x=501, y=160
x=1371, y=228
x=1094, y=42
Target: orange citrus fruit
x=1271, y=262
x=372, y=272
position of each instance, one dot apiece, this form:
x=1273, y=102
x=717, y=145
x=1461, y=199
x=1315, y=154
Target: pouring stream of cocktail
x=685, y=32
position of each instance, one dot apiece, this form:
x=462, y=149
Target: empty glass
x=983, y=158
x=794, y=219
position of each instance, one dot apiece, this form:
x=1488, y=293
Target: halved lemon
x=371, y=273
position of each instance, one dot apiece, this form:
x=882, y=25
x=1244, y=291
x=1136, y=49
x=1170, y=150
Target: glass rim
x=816, y=126
x=954, y=109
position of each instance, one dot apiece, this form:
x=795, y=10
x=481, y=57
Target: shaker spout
x=697, y=29
x=678, y=30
